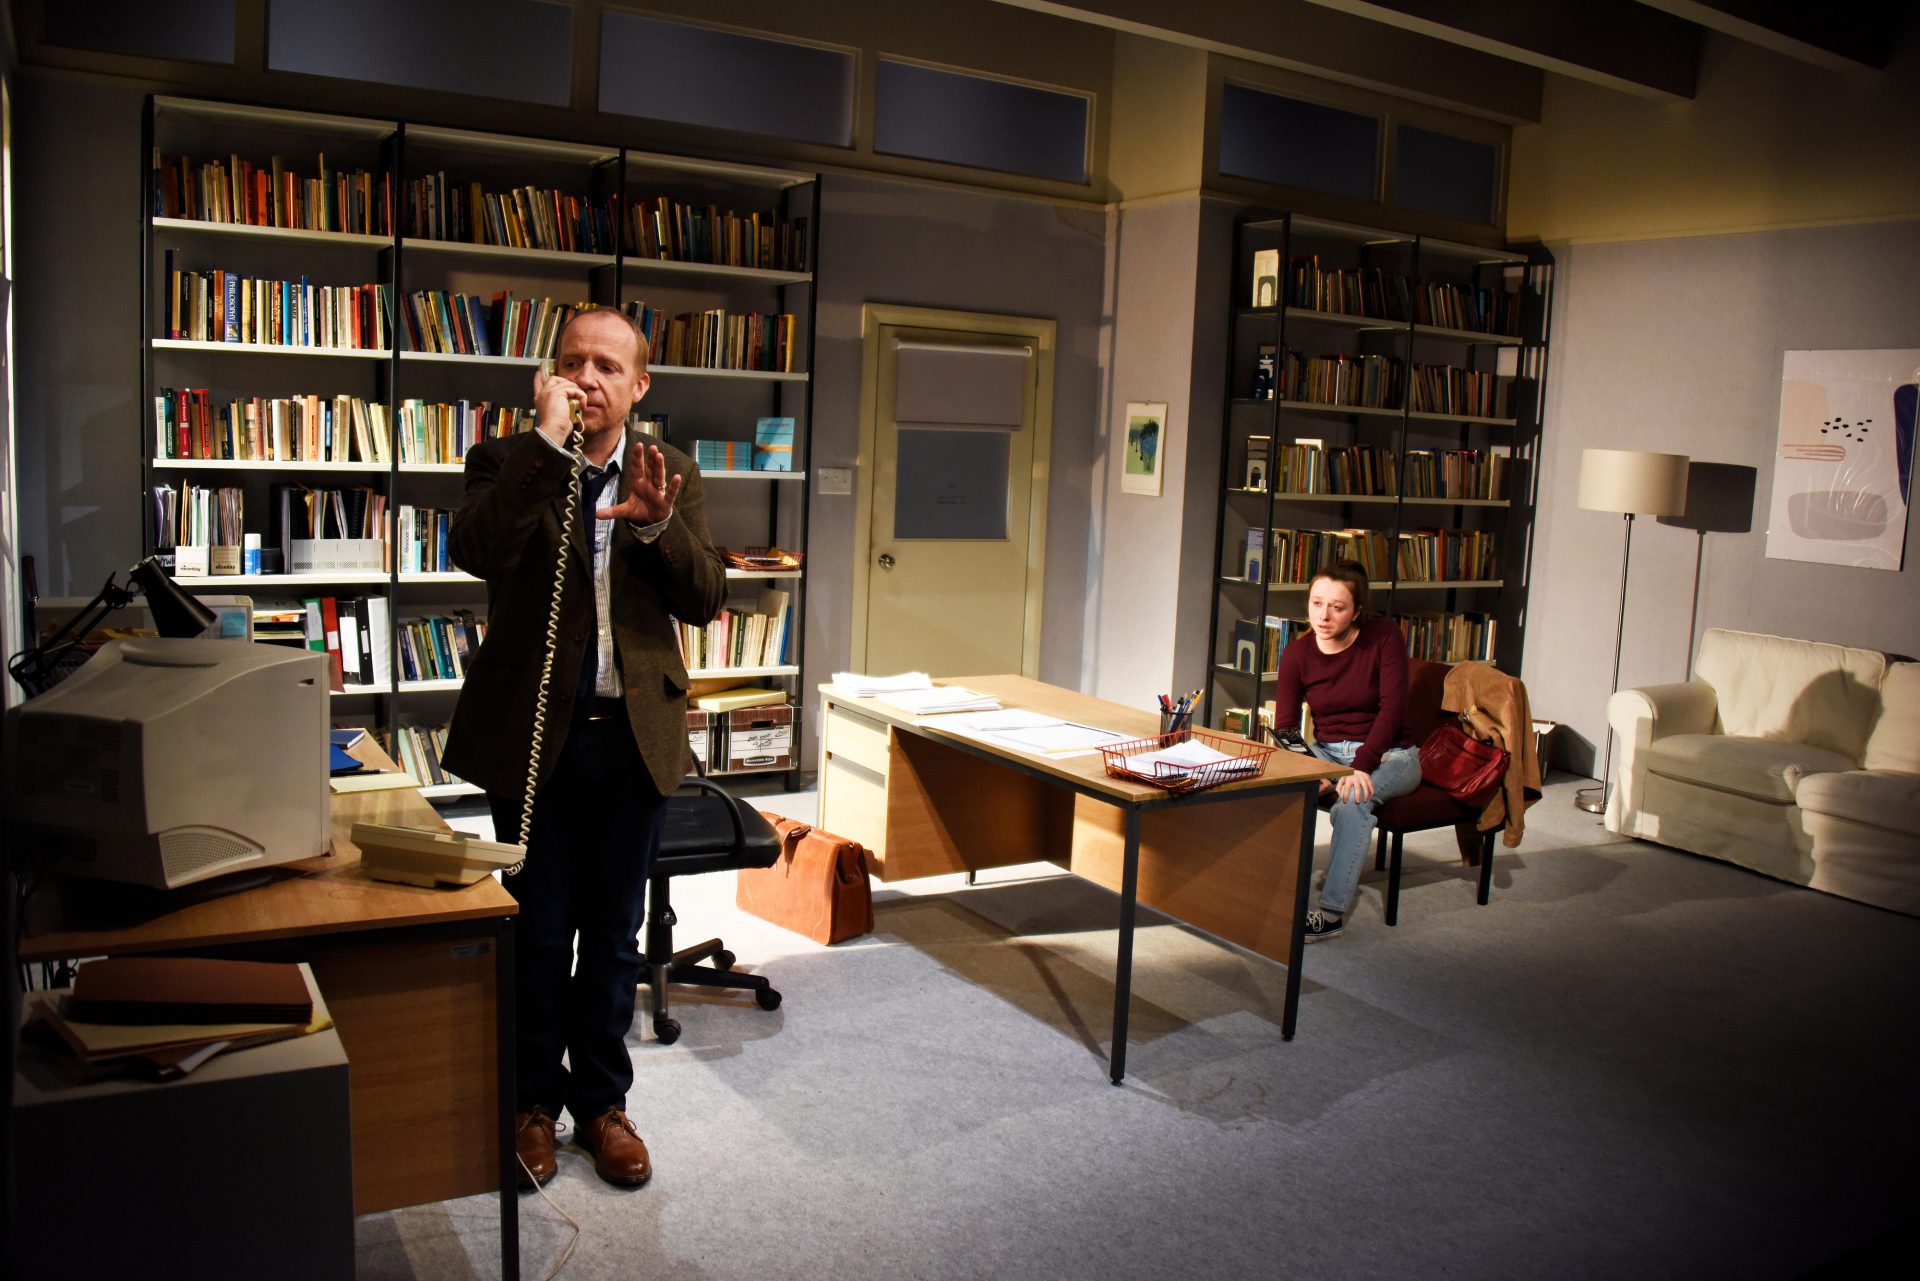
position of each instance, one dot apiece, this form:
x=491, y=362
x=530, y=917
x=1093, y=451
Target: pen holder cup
x=1176, y=727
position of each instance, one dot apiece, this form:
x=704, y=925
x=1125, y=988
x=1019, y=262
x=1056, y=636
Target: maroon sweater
x=1358, y=694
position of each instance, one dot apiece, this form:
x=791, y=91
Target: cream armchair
x=1793, y=758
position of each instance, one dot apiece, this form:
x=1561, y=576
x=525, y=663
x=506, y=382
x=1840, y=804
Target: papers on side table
x=860, y=686
x=937, y=699
x=1033, y=731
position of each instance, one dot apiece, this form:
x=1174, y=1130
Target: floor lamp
x=1632, y=483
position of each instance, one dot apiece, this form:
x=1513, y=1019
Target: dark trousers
x=596, y=825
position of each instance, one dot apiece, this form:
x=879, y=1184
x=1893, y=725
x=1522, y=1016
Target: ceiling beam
x=1319, y=41
x=1621, y=44
x=1839, y=35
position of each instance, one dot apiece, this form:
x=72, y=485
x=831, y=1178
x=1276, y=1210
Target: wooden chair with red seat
x=1427, y=807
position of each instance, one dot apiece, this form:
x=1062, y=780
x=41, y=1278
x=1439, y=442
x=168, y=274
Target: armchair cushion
x=1895, y=742
x=1758, y=767
x=1887, y=799
x=1792, y=690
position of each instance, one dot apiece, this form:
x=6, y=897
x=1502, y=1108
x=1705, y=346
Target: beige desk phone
x=420, y=856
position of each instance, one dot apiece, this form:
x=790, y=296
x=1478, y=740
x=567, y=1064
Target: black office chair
x=706, y=830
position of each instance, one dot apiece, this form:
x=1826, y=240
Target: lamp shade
x=1631, y=481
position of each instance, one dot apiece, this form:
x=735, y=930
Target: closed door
x=957, y=465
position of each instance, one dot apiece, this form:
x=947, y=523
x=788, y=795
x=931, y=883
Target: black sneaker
x=1323, y=925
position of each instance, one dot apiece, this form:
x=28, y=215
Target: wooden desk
x=1233, y=860
x=420, y=983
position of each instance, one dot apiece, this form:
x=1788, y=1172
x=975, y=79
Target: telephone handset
x=417, y=856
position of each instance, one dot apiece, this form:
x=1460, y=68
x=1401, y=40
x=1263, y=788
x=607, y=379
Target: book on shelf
x=1253, y=554
x=272, y=195
x=1257, y=643
x=740, y=638
x=439, y=646
x=1480, y=309
x=732, y=700
x=525, y=217
x=1455, y=473
x=773, y=444
x=461, y=324
x=669, y=230
x=716, y=338
x=1348, y=291
x=433, y=432
x=220, y=306
x=1266, y=277
x=1443, y=637
x=723, y=455
x=1367, y=381
x=269, y=429
x=1447, y=389
x=422, y=534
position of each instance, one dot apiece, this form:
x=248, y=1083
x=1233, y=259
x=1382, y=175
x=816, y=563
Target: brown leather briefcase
x=817, y=887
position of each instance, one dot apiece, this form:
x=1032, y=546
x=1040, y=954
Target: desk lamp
x=175, y=614
x=1633, y=483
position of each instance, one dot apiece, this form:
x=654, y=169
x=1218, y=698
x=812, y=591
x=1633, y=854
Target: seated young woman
x=1350, y=669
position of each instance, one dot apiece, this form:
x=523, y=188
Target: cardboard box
x=700, y=736
x=759, y=737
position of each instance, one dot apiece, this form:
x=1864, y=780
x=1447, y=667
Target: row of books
x=1449, y=637
x=353, y=631
x=276, y=429
x=271, y=195
x=422, y=539
x=439, y=646
x=225, y=306
x=443, y=433
x=1375, y=471
x=1372, y=381
x=1448, y=389
x=1375, y=292
x=1455, y=473
x=1417, y=556
x=522, y=218
x=1439, y=636
x=198, y=516
x=717, y=339
x=469, y=325
x=418, y=750
x=669, y=230
x=740, y=638
x=771, y=449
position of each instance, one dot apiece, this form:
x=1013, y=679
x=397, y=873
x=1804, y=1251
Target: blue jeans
x=1353, y=821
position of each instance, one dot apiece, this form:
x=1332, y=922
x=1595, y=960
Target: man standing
x=612, y=742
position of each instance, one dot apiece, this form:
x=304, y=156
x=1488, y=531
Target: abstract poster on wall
x=1146, y=446
x=1843, y=473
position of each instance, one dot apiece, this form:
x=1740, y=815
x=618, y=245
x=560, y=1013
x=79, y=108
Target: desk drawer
x=860, y=739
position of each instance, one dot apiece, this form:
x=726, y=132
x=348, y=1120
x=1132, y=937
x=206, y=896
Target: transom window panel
x=698, y=76
x=1271, y=138
x=189, y=30
x=516, y=49
x=1438, y=173
x=961, y=119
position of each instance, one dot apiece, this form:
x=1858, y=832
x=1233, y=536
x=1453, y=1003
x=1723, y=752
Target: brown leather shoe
x=619, y=1156
x=533, y=1140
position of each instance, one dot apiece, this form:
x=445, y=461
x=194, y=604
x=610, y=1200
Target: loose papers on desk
x=1185, y=758
x=1033, y=731
x=860, y=686
x=931, y=701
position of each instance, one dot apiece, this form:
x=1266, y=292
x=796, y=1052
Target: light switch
x=836, y=480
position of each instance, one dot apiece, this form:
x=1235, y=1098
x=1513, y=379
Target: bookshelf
x=1383, y=404
x=345, y=305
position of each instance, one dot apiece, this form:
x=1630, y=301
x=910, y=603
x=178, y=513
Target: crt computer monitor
x=166, y=762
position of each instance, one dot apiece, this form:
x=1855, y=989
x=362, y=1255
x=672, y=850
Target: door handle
x=886, y=560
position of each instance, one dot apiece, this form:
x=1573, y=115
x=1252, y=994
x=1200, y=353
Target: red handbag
x=1464, y=767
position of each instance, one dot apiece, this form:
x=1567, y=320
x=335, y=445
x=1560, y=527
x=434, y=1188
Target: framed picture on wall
x=1146, y=448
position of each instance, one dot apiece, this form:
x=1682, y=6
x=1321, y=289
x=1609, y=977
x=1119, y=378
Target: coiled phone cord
x=579, y=459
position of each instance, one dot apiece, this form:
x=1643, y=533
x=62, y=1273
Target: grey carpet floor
x=1632, y=1063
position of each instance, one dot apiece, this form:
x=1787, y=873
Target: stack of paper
x=859, y=686
x=1187, y=758
x=946, y=698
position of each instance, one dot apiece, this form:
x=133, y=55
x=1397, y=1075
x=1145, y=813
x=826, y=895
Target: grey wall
x=890, y=241
x=77, y=328
x=1676, y=345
